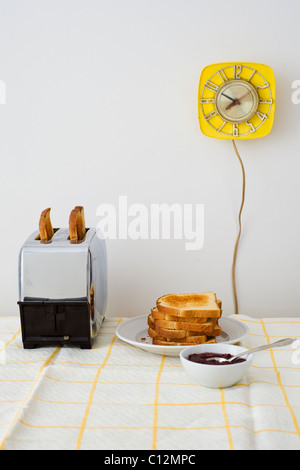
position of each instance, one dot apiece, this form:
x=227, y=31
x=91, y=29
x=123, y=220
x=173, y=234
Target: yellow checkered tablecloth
x=118, y=397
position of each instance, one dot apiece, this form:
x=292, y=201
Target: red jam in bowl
x=207, y=358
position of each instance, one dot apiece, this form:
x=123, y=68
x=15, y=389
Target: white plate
x=135, y=331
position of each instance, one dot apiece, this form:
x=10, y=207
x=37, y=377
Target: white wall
x=101, y=101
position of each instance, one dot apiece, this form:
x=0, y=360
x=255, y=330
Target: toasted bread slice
x=179, y=334
x=77, y=224
x=190, y=305
x=189, y=338
x=166, y=335
x=154, y=335
x=202, y=340
x=45, y=226
x=80, y=223
x=201, y=328
x=177, y=325
x=169, y=329
x=157, y=315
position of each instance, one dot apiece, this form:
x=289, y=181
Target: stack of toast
x=185, y=319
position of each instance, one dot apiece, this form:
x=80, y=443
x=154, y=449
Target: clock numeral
x=236, y=72
x=252, y=128
x=211, y=86
x=269, y=101
x=221, y=126
x=210, y=115
x=262, y=87
x=222, y=75
x=207, y=100
x=251, y=76
x=261, y=116
x=235, y=130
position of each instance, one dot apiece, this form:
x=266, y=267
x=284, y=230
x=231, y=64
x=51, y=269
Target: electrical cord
x=240, y=230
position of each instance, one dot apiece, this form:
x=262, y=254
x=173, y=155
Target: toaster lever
x=56, y=312
x=50, y=309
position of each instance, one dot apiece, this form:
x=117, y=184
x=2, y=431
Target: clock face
x=236, y=100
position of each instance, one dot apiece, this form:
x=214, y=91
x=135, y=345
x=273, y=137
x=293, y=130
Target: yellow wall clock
x=236, y=100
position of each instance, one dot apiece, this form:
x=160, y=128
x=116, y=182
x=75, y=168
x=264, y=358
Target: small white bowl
x=211, y=375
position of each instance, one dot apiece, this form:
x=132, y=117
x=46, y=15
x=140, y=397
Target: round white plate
x=135, y=332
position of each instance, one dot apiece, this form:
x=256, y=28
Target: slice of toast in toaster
x=203, y=304
x=77, y=224
x=45, y=226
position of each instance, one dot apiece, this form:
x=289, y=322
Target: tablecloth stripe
x=279, y=380
x=28, y=396
x=8, y=342
x=227, y=426
x=83, y=425
x=155, y=410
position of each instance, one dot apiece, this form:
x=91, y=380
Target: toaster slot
x=77, y=242
x=38, y=237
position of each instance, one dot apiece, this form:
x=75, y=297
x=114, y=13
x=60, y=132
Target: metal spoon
x=276, y=344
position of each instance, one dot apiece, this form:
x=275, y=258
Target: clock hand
x=231, y=99
x=244, y=96
x=233, y=104
x=239, y=100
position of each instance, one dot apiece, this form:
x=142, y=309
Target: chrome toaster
x=62, y=289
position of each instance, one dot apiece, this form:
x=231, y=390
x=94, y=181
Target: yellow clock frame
x=260, y=81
